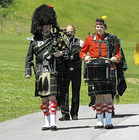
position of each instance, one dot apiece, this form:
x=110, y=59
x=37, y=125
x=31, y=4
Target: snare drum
x=98, y=70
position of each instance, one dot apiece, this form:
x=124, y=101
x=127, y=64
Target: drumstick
x=100, y=57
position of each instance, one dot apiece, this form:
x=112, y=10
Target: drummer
x=102, y=45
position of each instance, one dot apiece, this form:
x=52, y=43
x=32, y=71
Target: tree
x=5, y=11
x=5, y=3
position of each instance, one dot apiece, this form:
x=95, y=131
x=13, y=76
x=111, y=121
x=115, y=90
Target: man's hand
x=87, y=58
x=113, y=59
x=28, y=76
x=58, y=53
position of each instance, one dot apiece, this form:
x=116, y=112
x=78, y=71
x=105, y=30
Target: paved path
x=126, y=126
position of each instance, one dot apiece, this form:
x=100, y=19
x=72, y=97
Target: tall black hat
x=43, y=15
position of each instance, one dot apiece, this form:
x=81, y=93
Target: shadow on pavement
x=76, y=127
x=124, y=115
x=125, y=126
x=86, y=118
x=115, y=116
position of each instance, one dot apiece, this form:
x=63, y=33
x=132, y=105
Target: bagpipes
x=59, y=48
x=60, y=45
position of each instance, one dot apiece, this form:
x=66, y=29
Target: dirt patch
x=133, y=80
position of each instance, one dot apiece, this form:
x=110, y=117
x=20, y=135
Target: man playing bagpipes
x=46, y=47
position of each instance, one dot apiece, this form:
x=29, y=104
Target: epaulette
x=30, y=38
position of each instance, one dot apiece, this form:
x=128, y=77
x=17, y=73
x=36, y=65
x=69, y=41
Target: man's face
x=100, y=29
x=46, y=30
x=70, y=30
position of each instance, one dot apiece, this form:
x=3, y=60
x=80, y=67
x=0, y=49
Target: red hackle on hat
x=49, y=6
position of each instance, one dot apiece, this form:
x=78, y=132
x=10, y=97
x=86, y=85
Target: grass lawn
x=17, y=93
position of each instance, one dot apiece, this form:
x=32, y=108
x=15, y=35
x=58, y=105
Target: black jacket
x=38, y=48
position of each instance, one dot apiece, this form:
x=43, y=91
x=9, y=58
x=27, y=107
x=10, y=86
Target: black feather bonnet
x=43, y=15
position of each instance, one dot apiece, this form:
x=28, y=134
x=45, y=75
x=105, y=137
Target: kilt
x=108, y=87
x=46, y=84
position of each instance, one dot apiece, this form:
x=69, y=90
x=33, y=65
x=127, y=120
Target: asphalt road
x=28, y=127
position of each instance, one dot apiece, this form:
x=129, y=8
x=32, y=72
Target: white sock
x=47, y=121
x=52, y=120
x=108, y=118
x=100, y=119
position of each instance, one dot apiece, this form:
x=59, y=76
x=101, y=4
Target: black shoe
x=64, y=117
x=98, y=127
x=45, y=128
x=109, y=126
x=53, y=128
x=75, y=117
